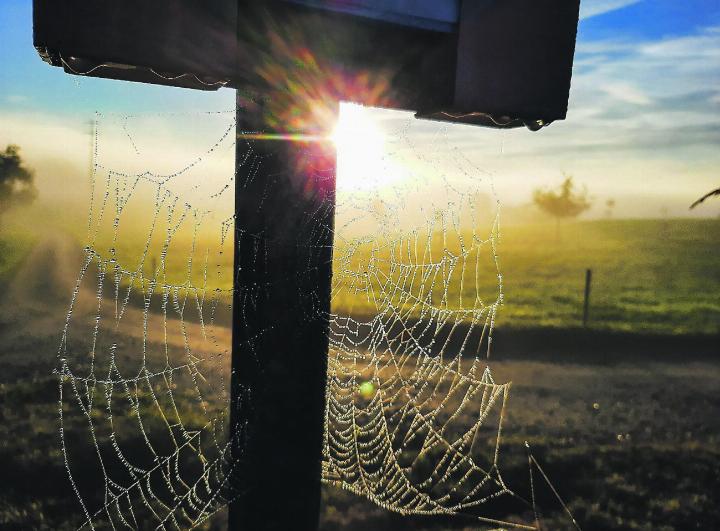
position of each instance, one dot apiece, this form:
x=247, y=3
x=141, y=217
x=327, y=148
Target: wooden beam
x=505, y=63
x=284, y=208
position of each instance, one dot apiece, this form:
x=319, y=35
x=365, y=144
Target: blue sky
x=646, y=19
x=644, y=119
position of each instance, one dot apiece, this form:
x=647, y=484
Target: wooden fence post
x=586, y=304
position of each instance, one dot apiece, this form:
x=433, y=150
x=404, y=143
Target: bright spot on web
x=363, y=164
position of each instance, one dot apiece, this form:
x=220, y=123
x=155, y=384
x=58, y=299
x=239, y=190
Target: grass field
x=630, y=443
x=649, y=276
x=658, y=276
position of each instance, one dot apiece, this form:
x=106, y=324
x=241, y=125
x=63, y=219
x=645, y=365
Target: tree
x=17, y=186
x=609, y=206
x=565, y=202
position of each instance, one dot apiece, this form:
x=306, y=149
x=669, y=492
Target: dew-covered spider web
x=414, y=416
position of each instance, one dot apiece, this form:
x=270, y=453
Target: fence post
x=586, y=304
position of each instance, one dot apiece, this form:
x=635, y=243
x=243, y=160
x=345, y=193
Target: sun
x=362, y=161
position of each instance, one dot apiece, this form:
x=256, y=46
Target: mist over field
x=60, y=150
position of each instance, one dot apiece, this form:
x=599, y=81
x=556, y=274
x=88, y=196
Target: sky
x=643, y=124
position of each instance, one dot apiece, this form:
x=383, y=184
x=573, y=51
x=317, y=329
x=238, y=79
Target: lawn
x=648, y=276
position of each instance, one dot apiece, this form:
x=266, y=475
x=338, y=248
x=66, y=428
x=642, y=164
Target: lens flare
x=367, y=390
x=363, y=163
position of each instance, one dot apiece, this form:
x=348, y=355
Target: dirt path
x=34, y=304
x=47, y=275
x=34, y=308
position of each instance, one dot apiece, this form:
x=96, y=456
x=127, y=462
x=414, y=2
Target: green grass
x=14, y=247
x=649, y=276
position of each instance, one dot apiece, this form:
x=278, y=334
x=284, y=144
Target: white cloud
x=40, y=136
x=607, y=46
x=658, y=69
x=703, y=46
x=59, y=149
x=627, y=93
x=58, y=152
x=592, y=8
x=643, y=120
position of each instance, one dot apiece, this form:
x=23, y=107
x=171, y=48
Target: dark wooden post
x=586, y=303
x=284, y=208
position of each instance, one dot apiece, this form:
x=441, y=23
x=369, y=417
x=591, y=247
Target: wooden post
x=284, y=208
x=586, y=303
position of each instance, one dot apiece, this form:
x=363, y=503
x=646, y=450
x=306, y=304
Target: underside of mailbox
x=499, y=63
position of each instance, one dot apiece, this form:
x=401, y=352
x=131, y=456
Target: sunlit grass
x=648, y=275
x=14, y=247
x=658, y=276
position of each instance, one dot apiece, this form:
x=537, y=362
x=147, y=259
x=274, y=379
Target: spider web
x=143, y=356
x=414, y=416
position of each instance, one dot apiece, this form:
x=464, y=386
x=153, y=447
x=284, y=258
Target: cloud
x=704, y=45
x=627, y=93
x=592, y=8
x=644, y=119
x=602, y=47
x=57, y=151
x=647, y=71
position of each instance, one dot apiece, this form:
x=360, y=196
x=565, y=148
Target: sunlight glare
x=362, y=161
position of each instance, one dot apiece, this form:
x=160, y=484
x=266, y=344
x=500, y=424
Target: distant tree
x=609, y=206
x=565, y=202
x=17, y=186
